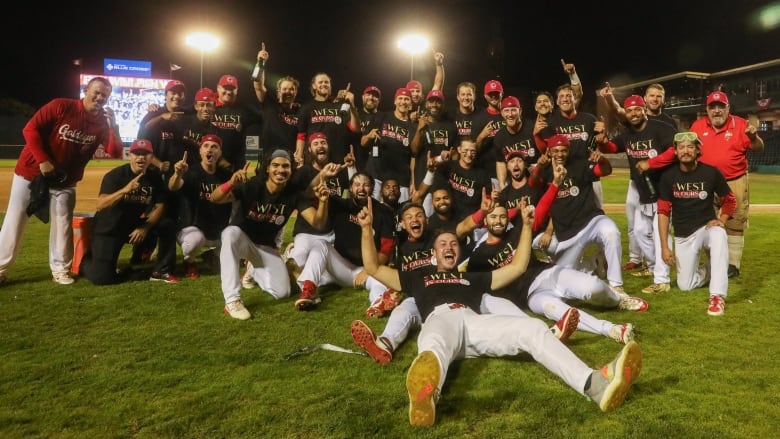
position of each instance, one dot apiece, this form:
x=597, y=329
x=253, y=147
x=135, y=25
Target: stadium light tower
x=204, y=42
x=413, y=44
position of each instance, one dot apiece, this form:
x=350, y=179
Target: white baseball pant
x=687, y=253
x=266, y=262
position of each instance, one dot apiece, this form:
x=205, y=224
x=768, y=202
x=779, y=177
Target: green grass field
x=153, y=360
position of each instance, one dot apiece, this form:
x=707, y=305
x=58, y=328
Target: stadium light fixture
x=204, y=42
x=413, y=44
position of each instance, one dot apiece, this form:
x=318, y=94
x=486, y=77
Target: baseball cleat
x=422, y=383
x=376, y=348
x=565, y=327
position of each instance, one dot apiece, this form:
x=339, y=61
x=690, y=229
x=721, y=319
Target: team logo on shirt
x=690, y=190
x=337, y=120
x=75, y=136
x=269, y=213
x=445, y=279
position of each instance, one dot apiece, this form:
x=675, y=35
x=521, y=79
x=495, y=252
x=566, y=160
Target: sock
x=736, y=245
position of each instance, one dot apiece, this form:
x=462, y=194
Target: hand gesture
x=488, y=203
x=181, y=167
x=527, y=212
x=133, y=184
x=439, y=58
x=366, y=215
x=606, y=92
x=349, y=159
x=262, y=55
x=540, y=124
x=373, y=134
x=559, y=173
x=321, y=191
x=599, y=126
x=567, y=67
x=595, y=156
x=110, y=117
x=751, y=131
x=240, y=176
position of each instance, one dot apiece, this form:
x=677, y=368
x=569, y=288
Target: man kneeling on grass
x=452, y=328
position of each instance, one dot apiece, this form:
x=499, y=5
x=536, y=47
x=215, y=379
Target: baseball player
x=577, y=218
x=130, y=206
x=339, y=262
x=317, y=167
x=646, y=141
x=450, y=301
x=415, y=253
x=199, y=221
x=686, y=195
x=263, y=205
x=60, y=138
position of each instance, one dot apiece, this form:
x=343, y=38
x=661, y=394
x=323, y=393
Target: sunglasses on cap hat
x=686, y=136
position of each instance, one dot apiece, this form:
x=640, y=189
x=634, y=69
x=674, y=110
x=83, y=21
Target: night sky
x=519, y=42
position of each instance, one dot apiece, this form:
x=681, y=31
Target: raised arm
x=508, y=273
x=258, y=75
x=388, y=276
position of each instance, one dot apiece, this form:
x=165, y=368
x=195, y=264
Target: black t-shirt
x=466, y=187
x=325, y=117
x=491, y=256
x=231, y=122
x=416, y=255
x=124, y=216
x=522, y=141
x=511, y=196
x=579, y=130
x=394, y=150
x=656, y=138
x=486, y=155
x=692, y=196
x=195, y=206
x=343, y=215
x=337, y=187
x=262, y=215
x=363, y=161
x=431, y=289
x=575, y=205
x=436, y=137
x=280, y=125
x=464, y=124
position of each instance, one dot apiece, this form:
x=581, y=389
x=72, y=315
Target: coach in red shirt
x=725, y=141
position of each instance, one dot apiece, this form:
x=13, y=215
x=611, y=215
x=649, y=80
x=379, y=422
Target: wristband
x=226, y=187
x=478, y=217
x=428, y=180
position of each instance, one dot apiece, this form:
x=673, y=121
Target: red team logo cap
x=493, y=86
x=141, y=145
x=373, y=89
x=403, y=92
x=414, y=84
x=228, y=81
x=435, y=94
x=513, y=153
x=557, y=140
x=175, y=84
x=717, y=96
x=634, y=101
x=205, y=94
x=211, y=138
x=510, y=102
x=317, y=135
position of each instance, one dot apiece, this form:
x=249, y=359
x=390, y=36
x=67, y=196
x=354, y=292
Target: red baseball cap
x=403, y=92
x=435, y=94
x=634, y=101
x=414, y=84
x=316, y=135
x=492, y=86
x=211, y=138
x=139, y=145
x=717, y=96
x=205, y=94
x=557, y=140
x=175, y=84
x=513, y=153
x=228, y=81
x=510, y=102
x=373, y=89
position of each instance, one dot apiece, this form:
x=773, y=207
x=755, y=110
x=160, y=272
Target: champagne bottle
x=259, y=66
x=650, y=186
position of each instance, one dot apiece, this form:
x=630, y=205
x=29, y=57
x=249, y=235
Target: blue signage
x=127, y=67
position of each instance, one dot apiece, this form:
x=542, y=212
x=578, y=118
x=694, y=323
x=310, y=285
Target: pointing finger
x=246, y=166
x=262, y=47
x=348, y=84
x=184, y=157
x=563, y=63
